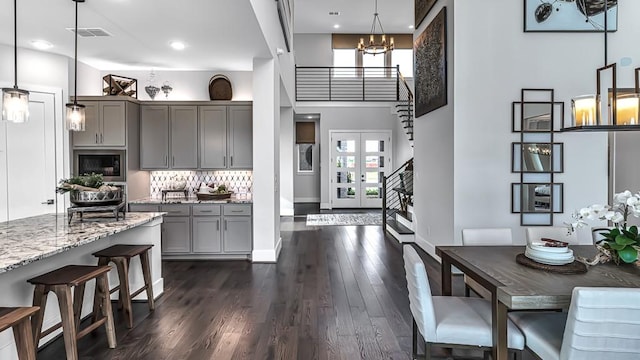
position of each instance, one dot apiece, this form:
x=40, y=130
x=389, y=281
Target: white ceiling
x=220, y=34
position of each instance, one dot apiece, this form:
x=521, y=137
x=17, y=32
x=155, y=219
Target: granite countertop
x=235, y=199
x=24, y=241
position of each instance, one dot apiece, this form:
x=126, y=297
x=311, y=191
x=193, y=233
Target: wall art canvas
x=570, y=15
x=430, y=73
x=421, y=9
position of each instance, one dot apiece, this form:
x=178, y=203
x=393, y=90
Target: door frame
x=330, y=172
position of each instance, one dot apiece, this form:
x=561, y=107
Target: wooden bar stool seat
x=18, y=318
x=121, y=256
x=60, y=281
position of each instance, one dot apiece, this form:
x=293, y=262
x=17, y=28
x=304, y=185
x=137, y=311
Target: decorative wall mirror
x=536, y=157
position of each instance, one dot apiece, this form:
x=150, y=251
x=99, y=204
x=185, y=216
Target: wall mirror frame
x=537, y=157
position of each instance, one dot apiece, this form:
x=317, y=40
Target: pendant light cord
x=606, y=6
x=75, y=76
x=15, y=43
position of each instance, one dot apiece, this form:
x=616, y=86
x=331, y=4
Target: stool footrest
x=90, y=328
x=51, y=329
x=137, y=292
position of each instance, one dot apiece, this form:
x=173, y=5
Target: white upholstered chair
x=483, y=237
x=535, y=233
x=602, y=323
x=448, y=321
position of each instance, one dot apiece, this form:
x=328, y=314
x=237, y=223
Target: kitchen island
x=36, y=245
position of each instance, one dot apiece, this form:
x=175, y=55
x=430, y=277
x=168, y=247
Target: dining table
x=516, y=287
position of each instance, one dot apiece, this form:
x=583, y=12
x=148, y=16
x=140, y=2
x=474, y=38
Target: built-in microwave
x=110, y=163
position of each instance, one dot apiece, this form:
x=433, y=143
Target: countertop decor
x=24, y=241
x=235, y=199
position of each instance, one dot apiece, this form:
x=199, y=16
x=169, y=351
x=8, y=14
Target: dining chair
x=602, y=323
x=535, y=233
x=448, y=321
x=483, y=237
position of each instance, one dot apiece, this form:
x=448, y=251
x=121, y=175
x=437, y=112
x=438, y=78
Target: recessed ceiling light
x=41, y=44
x=177, y=45
x=410, y=26
x=336, y=26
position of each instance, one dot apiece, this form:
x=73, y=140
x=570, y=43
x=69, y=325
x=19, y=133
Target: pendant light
x=374, y=47
x=622, y=109
x=15, y=102
x=75, y=112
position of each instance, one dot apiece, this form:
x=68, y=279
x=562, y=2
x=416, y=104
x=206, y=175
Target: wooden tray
x=214, y=196
x=575, y=267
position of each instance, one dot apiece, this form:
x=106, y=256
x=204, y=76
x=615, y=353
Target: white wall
x=347, y=116
x=307, y=184
x=287, y=156
x=313, y=50
x=491, y=60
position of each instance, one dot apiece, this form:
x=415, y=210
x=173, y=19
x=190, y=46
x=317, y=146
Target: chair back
x=535, y=233
x=602, y=323
x=487, y=236
x=420, y=300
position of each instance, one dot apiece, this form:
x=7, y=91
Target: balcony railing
x=349, y=84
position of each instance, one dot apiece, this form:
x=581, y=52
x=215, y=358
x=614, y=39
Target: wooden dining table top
x=519, y=287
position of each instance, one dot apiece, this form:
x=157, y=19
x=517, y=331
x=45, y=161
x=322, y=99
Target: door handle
x=48, y=202
x=231, y=157
x=166, y=160
x=173, y=161
x=218, y=225
x=225, y=225
x=101, y=139
x=96, y=138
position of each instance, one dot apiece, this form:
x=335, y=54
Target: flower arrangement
x=620, y=243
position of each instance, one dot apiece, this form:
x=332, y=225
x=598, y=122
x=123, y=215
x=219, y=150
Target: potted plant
x=90, y=190
x=621, y=243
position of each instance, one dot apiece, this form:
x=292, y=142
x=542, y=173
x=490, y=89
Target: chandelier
x=374, y=47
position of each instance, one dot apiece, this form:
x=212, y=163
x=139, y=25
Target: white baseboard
x=267, y=255
x=158, y=289
x=325, y=206
x=306, y=200
x=427, y=247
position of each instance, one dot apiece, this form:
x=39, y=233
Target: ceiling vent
x=90, y=32
x=334, y=13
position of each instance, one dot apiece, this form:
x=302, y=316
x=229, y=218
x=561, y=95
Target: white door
x=29, y=158
x=359, y=161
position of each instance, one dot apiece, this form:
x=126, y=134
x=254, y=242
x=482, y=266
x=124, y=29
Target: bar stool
x=18, y=319
x=121, y=256
x=60, y=281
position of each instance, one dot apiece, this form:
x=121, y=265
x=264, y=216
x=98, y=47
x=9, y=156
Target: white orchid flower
x=633, y=201
x=617, y=218
x=584, y=212
x=621, y=198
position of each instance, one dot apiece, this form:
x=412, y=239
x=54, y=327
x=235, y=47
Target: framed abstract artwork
x=570, y=15
x=422, y=8
x=430, y=73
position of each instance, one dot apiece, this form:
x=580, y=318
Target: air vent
x=90, y=32
x=334, y=13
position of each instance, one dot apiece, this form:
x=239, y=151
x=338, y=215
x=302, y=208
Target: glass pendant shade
x=584, y=110
x=15, y=105
x=75, y=117
x=627, y=109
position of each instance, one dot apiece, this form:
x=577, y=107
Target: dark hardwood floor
x=337, y=292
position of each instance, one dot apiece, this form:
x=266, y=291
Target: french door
x=359, y=161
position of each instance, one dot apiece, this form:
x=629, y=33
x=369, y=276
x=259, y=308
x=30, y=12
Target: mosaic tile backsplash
x=240, y=182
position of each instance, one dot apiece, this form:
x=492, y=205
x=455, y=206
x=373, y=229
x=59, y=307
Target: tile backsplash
x=237, y=181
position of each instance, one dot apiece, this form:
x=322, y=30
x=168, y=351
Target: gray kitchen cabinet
x=176, y=229
x=237, y=234
x=240, y=137
x=184, y=137
x=206, y=229
x=143, y=208
x=105, y=125
x=213, y=137
x=154, y=137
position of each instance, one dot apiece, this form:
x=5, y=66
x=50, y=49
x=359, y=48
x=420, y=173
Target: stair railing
x=397, y=192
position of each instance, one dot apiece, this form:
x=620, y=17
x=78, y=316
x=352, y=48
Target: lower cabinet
x=204, y=230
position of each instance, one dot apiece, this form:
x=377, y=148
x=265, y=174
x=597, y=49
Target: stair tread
x=399, y=228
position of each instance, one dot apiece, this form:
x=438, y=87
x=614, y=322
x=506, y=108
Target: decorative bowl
x=96, y=198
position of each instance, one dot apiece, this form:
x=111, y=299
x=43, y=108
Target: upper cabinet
x=105, y=125
x=240, y=137
x=196, y=136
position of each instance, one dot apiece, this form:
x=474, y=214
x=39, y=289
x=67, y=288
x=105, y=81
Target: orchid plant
x=620, y=243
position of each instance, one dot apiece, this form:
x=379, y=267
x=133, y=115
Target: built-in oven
x=110, y=163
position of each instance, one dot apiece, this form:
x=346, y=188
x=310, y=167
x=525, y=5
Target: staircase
x=397, y=203
x=404, y=107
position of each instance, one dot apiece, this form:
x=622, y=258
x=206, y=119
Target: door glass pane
x=346, y=162
x=372, y=162
x=347, y=177
x=346, y=193
x=346, y=146
x=374, y=146
x=373, y=192
x=372, y=177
